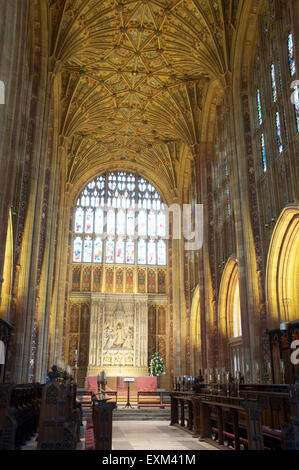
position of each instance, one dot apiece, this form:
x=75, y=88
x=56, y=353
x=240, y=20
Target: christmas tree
x=157, y=365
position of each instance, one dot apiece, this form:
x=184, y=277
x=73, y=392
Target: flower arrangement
x=157, y=365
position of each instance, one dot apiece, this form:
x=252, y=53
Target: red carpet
x=89, y=436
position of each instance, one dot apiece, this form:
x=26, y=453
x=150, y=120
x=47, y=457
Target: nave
x=153, y=435
x=143, y=435
x=229, y=416
x=149, y=222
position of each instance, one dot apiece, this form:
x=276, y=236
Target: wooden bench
x=152, y=399
x=277, y=426
x=60, y=415
x=19, y=414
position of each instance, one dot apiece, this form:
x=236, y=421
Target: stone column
x=201, y=153
x=13, y=74
x=248, y=237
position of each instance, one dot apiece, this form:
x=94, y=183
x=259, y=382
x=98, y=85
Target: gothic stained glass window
x=161, y=253
x=151, y=252
x=121, y=222
x=292, y=65
x=85, y=198
x=274, y=88
x=111, y=212
x=77, y=255
x=79, y=220
x=263, y=150
x=291, y=54
x=120, y=251
x=152, y=224
x=110, y=251
x=130, y=252
x=130, y=223
x=279, y=75
x=111, y=222
x=87, y=250
x=142, y=252
x=259, y=107
x=98, y=250
x=89, y=221
x=228, y=203
x=285, y=126
x=142, y=223
x=278, y=133
x=226, y=168
x=297, y=115
x=161, y=230
x=99, y=221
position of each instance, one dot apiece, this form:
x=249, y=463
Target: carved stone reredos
x=119, y=331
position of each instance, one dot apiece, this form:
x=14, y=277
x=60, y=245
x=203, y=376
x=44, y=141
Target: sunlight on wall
x=283, y=269
x=7, y=273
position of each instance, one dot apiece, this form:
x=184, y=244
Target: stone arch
x=282, y=276
x=164, y=189
x=229, y=317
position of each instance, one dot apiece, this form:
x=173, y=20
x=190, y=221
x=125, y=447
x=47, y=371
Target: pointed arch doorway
x=229, y=314
x=282, y=279
x=282, y=293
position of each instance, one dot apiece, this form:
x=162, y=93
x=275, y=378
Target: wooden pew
x=182, y=410
x=238, y=424
x=273, y=402
x=60, y=417
x=152, y=399
x=291, y=429
x=8, y=421
x=19, y=414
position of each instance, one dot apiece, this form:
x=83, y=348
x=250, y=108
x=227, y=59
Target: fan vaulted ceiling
x=134, y=75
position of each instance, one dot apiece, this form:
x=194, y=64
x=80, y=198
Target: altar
x=118, y=384
x=118, y=342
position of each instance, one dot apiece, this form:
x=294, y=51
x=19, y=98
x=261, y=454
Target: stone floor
x=143, y=435
x=153, y=435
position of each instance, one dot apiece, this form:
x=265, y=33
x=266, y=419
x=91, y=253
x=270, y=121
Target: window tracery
x=120, y=219
x=274, y=71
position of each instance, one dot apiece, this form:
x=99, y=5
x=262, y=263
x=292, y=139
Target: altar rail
x=262, y=417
